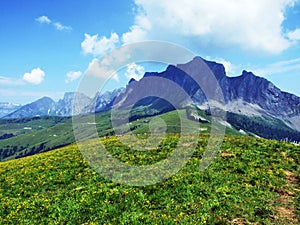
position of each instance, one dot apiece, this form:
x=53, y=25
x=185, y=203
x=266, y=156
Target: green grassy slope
x=48, y=133
x=24, y=125
x=252, y=181
x=37, y=140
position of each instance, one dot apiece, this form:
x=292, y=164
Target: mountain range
x=247, y=95
x=7, y=108
x=64, y=107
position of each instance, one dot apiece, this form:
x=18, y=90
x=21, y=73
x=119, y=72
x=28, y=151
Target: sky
x=47, y=47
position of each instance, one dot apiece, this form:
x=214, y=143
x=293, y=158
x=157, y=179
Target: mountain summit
x=246, y=94
x=48, y=107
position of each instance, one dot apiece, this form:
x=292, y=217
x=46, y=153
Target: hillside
x=199, y=82
x=29, y=136
x=252, y=181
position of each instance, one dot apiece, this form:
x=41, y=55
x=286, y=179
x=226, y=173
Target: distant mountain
x=48, y=107
x=103, y=101
x=40, y=107
x=6, y=108
x=247, y=95
x=255, y=99
x=65, y=106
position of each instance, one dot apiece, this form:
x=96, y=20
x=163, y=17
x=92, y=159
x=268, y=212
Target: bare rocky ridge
x=40, y=107
x=246, y=94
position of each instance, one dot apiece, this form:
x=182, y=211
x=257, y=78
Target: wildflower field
x=252, y=181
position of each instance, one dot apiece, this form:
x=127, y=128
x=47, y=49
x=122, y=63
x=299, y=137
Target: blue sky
x=48, y=46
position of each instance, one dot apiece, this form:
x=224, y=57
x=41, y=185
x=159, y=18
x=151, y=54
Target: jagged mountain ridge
x=40, y=107
x=64, y=107
x=246, y=94
x=251, y=89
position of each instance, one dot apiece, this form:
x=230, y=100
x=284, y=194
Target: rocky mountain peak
x=200, y=64
x=69, y=96
x=43, y=100
x=246, y=90
x=246, y=73
x=131, y=80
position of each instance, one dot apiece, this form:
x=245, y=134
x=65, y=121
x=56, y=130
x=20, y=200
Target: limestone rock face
x=197, y=82
x=247, y=88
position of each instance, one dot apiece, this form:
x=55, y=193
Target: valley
x=28, y=136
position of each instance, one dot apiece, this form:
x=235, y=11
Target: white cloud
x=10, y=81
x=98, y=46
x=36, y=76
x=279, y=67
x=229, y=67
x=134, y=71
x=138, y=31
x=294, y=35
x=73, y=75
x=61, y=27
x=100, y=70
x=58, y=25
x=43, y=19
x=250, y=25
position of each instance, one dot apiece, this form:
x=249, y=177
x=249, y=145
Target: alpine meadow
x=149, y=112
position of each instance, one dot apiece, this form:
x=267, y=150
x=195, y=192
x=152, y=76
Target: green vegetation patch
x=252, y=181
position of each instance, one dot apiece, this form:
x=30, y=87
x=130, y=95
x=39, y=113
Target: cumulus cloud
x=58, y=25
x=134, y=71
x=98, y=46
x=43, y=19
x=98, y=69
x=250, y=25
x=36, y=76
x=294, y=35
x=139, y=31
x=229, y=67
x=73, y=75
